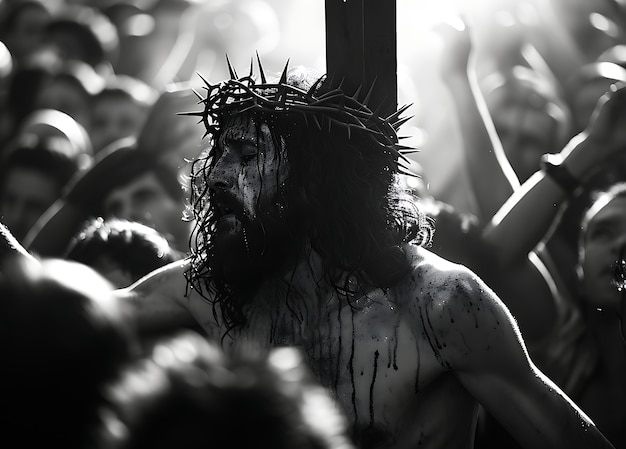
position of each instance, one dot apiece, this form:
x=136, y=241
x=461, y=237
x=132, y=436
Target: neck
x=303, y=290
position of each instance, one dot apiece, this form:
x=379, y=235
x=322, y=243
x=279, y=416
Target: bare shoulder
x=159, y=299
x=167, y=280
x=457, y=311
x=438, y=282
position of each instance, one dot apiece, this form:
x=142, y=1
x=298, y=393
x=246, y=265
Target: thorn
x=203, y=80
x=191, y=113
x=261, y=71
x=399, y=112
x=368, y=97
x=251, y=71
x=401, y=122
x=200, y=97
x=233, y=74
x=283, y=77
x=316, y=85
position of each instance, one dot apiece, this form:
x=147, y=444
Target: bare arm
x=486, y=351
x=529, y=214
x=492, y=177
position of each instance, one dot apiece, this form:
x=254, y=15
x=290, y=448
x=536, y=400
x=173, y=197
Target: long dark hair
x=342, y=194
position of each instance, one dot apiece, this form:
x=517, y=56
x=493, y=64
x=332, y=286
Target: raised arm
x=485, y=350
x=492, y=177
x=529, y=214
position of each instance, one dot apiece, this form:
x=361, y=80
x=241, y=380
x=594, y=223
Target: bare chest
x=377, y=364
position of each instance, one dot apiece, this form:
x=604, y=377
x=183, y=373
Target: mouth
x=619, y=273
x=224, y=211
x=225, y=206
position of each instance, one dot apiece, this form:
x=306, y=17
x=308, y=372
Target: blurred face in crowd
x=26, y=34
x=146, y=201
x=527, y=126
x=603, y=237
x=63, y=96
x=115, y=117
x=26, y=194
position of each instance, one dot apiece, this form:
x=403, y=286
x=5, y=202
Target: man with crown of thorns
x=304, y=238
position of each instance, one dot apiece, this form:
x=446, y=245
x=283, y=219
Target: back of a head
x=118, y=164
x=65, y=336
x=189, y=394
x=130, y=87
x=54, y=123
x=52, y=156
x=85, y=33
x=131, y=247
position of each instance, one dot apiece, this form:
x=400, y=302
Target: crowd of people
x=261, y=260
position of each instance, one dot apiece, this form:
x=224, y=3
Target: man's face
x=249, y=172
x=525, y=128
x=63, y=96
x=605, y=235
x=115, y=118
x=146, y=201
x=25, y=197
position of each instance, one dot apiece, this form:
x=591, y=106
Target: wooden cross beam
x=361, y=49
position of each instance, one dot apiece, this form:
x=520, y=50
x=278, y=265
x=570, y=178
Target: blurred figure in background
x=187, y=393
x=601, y=390
x=64, y=337
x=34, y=170
x=120, y=250
x=120, y=109
x=125, y=181
x=22, y=27
x=586, y=85
x=170, y=136
x=79, y=32
x=54, y=123
x=23, y=89
x=529, y=114
x=70, y=88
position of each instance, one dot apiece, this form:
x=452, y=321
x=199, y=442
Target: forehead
x=240, y=127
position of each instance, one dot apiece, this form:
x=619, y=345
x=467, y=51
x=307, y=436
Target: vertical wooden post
x=361, y=49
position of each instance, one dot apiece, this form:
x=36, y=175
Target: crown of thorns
x=245, y=94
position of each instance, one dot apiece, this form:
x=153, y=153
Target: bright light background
x=294, y=30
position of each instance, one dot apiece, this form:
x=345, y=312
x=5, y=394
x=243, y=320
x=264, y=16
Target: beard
x=247, y=252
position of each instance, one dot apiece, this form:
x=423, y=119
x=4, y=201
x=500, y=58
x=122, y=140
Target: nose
x=219, y=177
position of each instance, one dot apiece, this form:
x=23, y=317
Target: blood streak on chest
x=361, y=353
